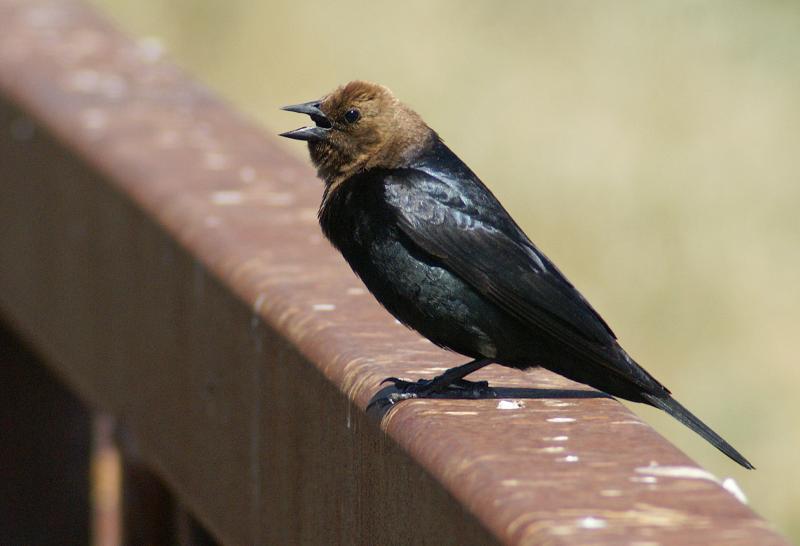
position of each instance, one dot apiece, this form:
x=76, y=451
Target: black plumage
x=440, y=252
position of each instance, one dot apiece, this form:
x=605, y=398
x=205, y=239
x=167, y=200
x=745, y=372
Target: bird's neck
x=394, y=145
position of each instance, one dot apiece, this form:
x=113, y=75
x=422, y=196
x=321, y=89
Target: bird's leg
x=451, y=382
x=454, y=377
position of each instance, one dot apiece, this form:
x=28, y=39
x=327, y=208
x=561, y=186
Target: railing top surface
x=534, y=466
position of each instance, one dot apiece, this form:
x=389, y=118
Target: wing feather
x=471, y=233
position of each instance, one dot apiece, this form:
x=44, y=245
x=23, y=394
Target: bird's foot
x=435, y=388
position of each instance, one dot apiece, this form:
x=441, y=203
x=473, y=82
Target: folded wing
x=471, y=234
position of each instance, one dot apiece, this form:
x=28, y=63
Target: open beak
x=318, y=132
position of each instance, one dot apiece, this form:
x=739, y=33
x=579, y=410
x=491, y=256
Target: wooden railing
x=160, y=254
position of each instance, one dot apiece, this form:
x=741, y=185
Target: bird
x=438, y=250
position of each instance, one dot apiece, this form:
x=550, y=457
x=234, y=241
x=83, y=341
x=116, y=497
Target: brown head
x=359, y=126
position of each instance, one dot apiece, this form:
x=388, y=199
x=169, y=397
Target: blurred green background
x=652, y=149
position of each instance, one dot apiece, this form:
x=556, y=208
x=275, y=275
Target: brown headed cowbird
x=438, y=250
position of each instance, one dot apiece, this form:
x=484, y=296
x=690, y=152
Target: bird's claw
x=429, y=388
x=396, y=397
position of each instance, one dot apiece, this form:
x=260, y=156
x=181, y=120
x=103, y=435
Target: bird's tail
x=671, y=406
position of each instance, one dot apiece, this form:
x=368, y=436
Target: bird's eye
x=352, y=115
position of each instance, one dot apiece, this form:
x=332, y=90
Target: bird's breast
x=413, y=286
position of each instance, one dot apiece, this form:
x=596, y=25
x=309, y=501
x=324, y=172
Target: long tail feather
x=671, y=406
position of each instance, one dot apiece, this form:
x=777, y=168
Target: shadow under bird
x=441, y=254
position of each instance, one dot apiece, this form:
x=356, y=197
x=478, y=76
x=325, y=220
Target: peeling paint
x=552, y=449
x=510, y=404
x=691, y=472
x=733, y=488
x=592, y=523
x=557, y=403
x=355, y=291
x=226, y=198
x=611, y=493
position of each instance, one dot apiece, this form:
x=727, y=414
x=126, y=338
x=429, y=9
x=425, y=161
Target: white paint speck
x=323, y=307
x=227, y=197
x=510, y=404
x=557, y=403
x=215, y=161
x=84, y=80
x=733, y=488
x=256, y=318
x=262, y=297
x=561, y=420
x=611, y=493
x=44, y=16
x=150, y=49
x=247, y=174
x=355, y=291
x=691, y=472
x=108, y=84
x=460, y=413
x=570, y=459
x=94, y=119
x=559, y=438
x=592, y=523
x=552, y=449
x=644, y=479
